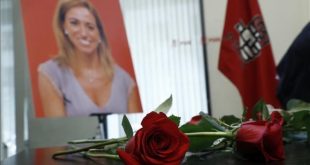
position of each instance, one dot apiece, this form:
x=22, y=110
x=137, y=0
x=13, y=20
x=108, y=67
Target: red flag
x=246, y=55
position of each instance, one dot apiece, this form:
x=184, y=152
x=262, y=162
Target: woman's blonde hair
x=66, y=48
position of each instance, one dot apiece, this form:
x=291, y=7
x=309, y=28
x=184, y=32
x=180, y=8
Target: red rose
x=260, y=140
x=158, y=142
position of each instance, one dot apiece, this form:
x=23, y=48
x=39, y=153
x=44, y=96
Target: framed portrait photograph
x=79, y=58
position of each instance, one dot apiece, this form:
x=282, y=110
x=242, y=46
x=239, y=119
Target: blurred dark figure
x=294, y=70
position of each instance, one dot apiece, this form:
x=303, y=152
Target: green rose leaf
x=165, y=106
x=286, y=116
x=175, y=119
x=127, y=127
x=207, y=124
x=230, y=119
x=307, y=123
x=300, y=118
x=244, y=112
x=297, y=104
x=212, y=122
x=198, y=143
x=260, y=108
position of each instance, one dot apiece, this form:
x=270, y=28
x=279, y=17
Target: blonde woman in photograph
x=83, y=78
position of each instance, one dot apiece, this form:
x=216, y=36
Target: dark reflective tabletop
x=296, y=154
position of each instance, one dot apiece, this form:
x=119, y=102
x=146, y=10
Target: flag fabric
x=245, y=54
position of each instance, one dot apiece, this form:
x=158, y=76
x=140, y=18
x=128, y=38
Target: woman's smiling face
x=81, y=28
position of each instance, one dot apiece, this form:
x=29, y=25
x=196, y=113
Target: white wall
x=284, y=20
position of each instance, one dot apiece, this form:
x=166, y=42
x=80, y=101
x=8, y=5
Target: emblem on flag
x=251, y=37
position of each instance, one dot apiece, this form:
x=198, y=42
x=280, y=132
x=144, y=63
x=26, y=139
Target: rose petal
x=251, y=132
x=277, y=117
x=249, y=139
x=273, y=144
x=128, y=159
x=152, y=117
x=130, y=146
x=138, y=142
x=179, y=154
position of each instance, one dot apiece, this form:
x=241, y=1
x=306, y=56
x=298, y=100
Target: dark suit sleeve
x=294, y=70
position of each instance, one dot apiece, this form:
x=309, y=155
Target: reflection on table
x=297, y=153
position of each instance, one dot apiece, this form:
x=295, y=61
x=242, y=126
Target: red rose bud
x=260, y=140
x=195, y=120
x=158, y=142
